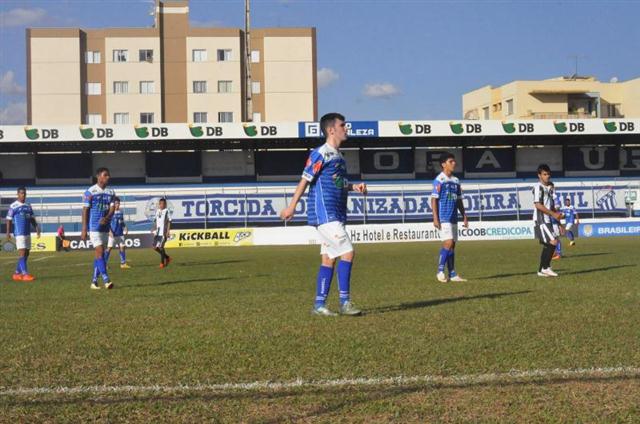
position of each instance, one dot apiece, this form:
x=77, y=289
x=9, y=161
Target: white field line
x=42, y=258
x=557, y=374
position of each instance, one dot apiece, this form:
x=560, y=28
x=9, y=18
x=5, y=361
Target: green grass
x=223, y=315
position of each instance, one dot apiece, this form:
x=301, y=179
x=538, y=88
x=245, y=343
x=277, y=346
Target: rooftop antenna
x=576, y=58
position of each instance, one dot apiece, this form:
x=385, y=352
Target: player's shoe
x=322, y=311
x=162, y=265
x=16, y=277
x=348, y=308
x=108, y=285
x=556, y=256
x=572, y=243
x=548, y=272
x=442, y=277
x=95, y=286
x=125, y=266
x=541, y=274
x=28, y=277
x=458, y=279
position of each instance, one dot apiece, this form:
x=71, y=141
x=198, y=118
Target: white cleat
x=442, y=277
x=549, y=272
x=323, y=311
x=458, y=279
x=540, y=274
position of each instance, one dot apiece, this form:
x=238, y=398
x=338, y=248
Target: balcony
x=561, y=115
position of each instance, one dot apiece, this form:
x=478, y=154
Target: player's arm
x=85, y=220
x=35, y=224
x=125, y=228
x=167, y=226
x=434, y=208
x=153, y=225
x=358, y=188
x=288, y=212
x=8, y=227
x=577, y=218
x=460, y=206
x=542, y=208
x=105, y=219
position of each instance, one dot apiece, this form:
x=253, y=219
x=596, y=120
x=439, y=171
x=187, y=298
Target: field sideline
x=225, y=334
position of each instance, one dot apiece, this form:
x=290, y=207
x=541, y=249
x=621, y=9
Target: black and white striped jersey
x=544, y=195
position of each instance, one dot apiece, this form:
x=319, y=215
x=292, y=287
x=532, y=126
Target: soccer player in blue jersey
x=118, y=229
x=446, y=201
x=326, y=175
x=98, y=208
x=571, y=220
x=21, y=215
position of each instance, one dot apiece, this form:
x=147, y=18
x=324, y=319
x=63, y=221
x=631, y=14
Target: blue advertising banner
x=354, y=129
x=609, y=229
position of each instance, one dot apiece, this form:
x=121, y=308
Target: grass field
x=241, y=315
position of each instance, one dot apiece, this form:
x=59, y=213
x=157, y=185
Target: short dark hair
x=446, y=156
x=21, y=188
x=328, y=120
x=543, y=167
x=162, y=199
x=101, y=170
x=566, y=199
x=116, y=199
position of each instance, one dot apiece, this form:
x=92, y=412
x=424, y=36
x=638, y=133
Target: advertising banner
x=209, y=238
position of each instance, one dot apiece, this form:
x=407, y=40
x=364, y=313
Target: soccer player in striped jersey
x=161, y=230
x=21, y=215
x=326, y=175
x=446, y=201
x=118, y=229
x=97, y=210
x=543, y=214
x=571, y=220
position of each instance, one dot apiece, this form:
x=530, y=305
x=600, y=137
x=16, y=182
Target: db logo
x=588, y=230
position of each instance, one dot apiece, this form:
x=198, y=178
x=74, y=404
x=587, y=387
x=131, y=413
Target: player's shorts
x=115, y=241
x=556, y=230
x=159, y=241
x=334, y=240
x=568, y=227
x=23, y=242
x=544, y=233
x=448, y=231
x=98, y=238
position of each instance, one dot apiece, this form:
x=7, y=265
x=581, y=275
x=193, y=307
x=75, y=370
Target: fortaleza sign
x=381, y=205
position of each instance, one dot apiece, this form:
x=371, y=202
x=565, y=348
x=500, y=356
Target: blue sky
x=392, y=59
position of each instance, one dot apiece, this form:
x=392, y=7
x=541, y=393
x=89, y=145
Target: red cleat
x=28, y=277
x=162, y=266
x=167, y=262
x=17, y=277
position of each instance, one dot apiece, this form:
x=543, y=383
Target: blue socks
x=570, y=235
x=451, y=263
x=559, y=248
x=344, y=281
x=21, y=267
x=442, y=261
x=325, y=275
x=107, y=253
x=100, y=268
x=123, y=258
x=95, y=271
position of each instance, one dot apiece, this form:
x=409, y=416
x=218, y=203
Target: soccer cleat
x=161, y=266
x=322, y=311
x=541, y=274
x=168, y=261
x=95, y=286
x=458, y=279
x=108, y=285
x=349, y=309
x=572, y=243
x=28, y=277
x=549, y=272
x=124, y=266
x=442, y=277
x=16, y=277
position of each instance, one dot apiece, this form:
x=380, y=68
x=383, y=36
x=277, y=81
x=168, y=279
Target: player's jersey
x=21, y=214
x=569, y=214
x=98, y=201
x=447, y=190
x=162, y=217
x=544, y=195
x=326, y=170
x=117, y=223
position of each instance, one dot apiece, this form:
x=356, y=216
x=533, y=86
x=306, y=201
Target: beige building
x=555, y=98
x=169, y=73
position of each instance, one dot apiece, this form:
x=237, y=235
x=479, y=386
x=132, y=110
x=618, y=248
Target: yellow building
x=170, y=72
x=555, y=98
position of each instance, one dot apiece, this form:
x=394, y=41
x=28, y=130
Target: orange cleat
x=556, y=257
x=162, y=266
x=168, y=261
x=28, y=277
x=17, y=277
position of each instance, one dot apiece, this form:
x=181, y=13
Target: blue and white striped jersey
x=98, y=201
x=326, y=170
x=447, y=190
x=21, y=215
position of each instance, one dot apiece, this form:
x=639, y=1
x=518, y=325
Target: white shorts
x=23, y=242
x=334, y=240
x=568, y=227
x=115, y=240
x=98, y=239
x=448, y=231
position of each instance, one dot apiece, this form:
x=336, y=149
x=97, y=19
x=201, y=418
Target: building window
x=255, y=87
x=224, y=86
x=257, y=117
x=199, y=55
x=255, y=56
x=120, y=118
x=225, y=116
x=120, y=87
x=146, y=118
x=93, y=119
x=224, y=55
x=485, y=112
x=120, y=55
x=92, y=57
x=200, y=117
x=199, y=86
x=614, y=110
x=146, y=55
x=147, y=87
x=94, y=88
x=509, y=107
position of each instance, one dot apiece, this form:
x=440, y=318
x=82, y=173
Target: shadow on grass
x=177, y=263
x=584, y=255
x=168, y=283
x=435, y=302
x=604, y=268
